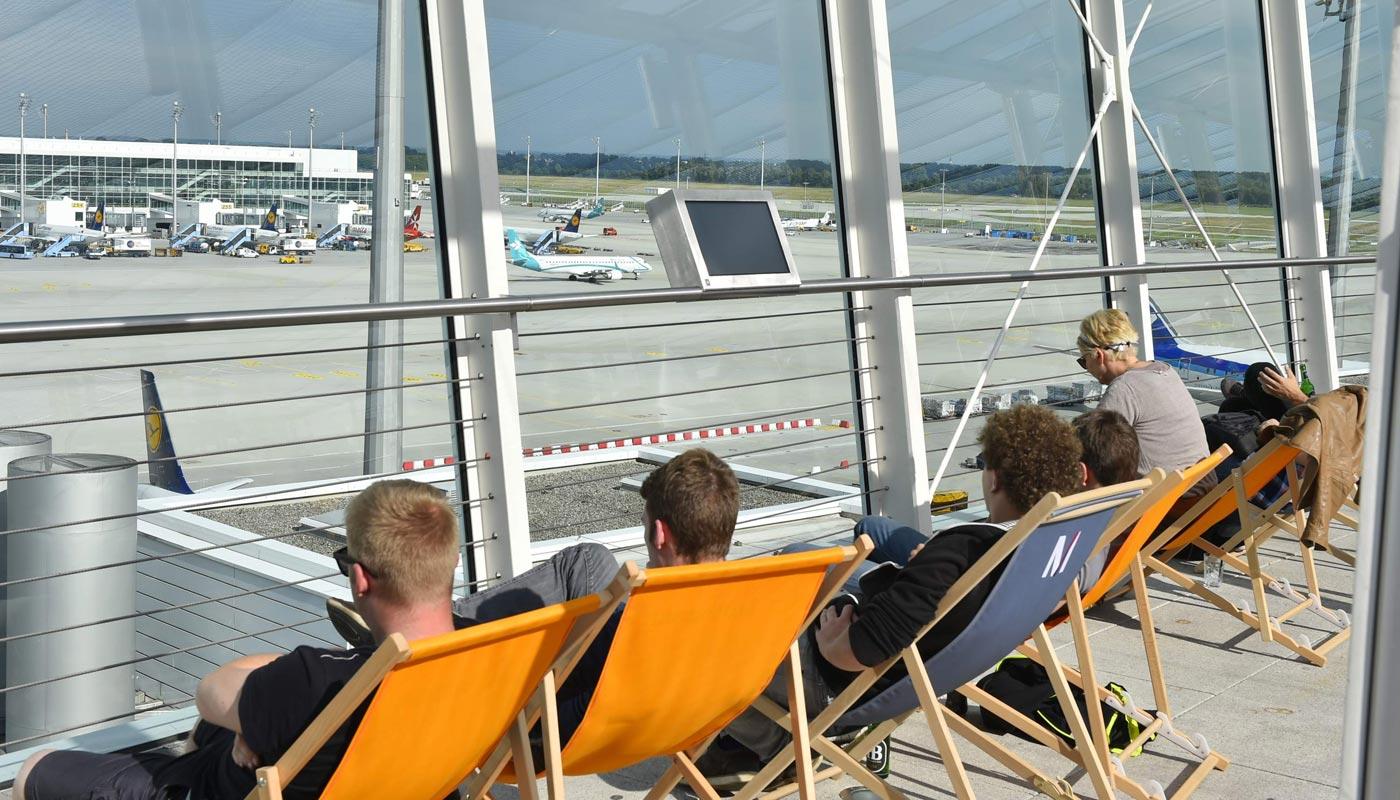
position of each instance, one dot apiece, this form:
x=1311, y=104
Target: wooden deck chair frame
x=395, y=651
x=943, y=724
x=1257, y=526
x=682, y=766
x=1167, y=489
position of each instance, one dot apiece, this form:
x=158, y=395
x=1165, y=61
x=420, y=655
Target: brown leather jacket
x=1331, y=428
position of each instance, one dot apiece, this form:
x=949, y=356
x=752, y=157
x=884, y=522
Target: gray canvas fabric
x=1155, y=402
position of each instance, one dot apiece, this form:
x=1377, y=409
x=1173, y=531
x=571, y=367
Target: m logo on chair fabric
x=1059, y=557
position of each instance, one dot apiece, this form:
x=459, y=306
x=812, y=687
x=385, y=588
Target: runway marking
x=412, y=379
x=437, y=375
x=250, y=363
x=969, y=340
x=310, y=376
x=655, y=353
x=50, y=287
x=14, y=289
x=718, y=349
x=345, y=373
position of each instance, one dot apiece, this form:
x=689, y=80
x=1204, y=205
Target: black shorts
x=73, y=775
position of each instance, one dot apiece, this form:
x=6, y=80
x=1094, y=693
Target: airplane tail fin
x=574, y=222
x=164, y=466
x=1163, y=333
x=99, y=217
x=270, y=220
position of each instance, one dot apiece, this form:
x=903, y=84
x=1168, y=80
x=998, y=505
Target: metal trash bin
x=58, y=495
x=14, y=445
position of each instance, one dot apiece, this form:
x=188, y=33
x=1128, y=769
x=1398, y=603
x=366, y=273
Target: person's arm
x=1283, y=386
x=1118, y=396
x=889, y=621
x=216, y=698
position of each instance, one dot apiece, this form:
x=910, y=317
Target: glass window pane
x=603, y=111
x=993, y=114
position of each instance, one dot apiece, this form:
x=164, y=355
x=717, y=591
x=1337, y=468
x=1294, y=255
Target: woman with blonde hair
x=1148, y=394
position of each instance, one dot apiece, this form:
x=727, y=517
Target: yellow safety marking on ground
x=718, y=349
x=437, y=375
x=310, y=376
x=655, y=353
x=14, y=289
x=345, y=373
x=412, y=379
x=50, y=287
x=86, y=285
x=967, y=340
x=250, y=363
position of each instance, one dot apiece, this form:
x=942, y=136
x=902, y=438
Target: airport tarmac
x=584, y=375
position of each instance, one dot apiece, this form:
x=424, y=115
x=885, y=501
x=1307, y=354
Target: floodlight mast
x=23, y=178
x=176, y=111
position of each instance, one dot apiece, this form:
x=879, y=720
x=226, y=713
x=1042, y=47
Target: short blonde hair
x=1104, y=329
x=405, y=534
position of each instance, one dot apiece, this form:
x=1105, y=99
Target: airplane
x=162, y=465
x=544, y=241
x=558, y=214
x=1206, y=359
x=411, y=230
x=594, y=269
x=808, y=224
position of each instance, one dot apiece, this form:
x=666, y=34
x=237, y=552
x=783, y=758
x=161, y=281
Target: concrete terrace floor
x=1276, y=718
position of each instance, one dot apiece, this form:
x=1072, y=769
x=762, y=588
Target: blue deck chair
x=1042, y=556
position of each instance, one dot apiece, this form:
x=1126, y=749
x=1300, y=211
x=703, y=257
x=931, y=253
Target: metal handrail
x=101, y=327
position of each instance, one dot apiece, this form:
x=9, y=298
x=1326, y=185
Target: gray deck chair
x=1042, y=556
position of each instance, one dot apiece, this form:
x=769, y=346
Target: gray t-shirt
x=1155, y=402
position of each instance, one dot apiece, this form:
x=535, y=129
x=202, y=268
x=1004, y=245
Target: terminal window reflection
x=596, y=113
x=993, y=112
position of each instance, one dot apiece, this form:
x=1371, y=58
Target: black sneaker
x=348, y=623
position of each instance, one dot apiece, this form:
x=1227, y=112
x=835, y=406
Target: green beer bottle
x=1306, y=385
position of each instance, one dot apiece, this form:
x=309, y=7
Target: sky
x=999, y=81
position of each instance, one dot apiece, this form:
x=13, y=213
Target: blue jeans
x=893, y=542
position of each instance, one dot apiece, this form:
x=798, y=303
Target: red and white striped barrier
x=429, y=463
x=659, y=438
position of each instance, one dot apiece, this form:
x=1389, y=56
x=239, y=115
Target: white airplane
x=808, y=224
x=544, y=240
x=565, y=213
x=162, y=464
x=594, y=269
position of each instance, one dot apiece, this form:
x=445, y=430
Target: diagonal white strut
x=1195, y=218
x=1020, y=295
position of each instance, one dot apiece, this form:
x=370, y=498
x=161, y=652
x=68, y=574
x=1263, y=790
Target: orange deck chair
x=694, y=647
x=1257, y=525
x=1156, y=503
x=439, y=704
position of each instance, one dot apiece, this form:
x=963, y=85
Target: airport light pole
x=175, y=111
x=23, y=112
x=1151, y=205
x=677, y=140
x=311, y=115
x=289, y=138
x=342, y=140
x=218, y=120
x=762, y=161
x=943, y=201
x=527, y=170
x=597, y=164
x=47, y=164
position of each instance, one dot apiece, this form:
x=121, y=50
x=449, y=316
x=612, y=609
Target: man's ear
x=360, y=581
x=660, y=534
x=1085, y=474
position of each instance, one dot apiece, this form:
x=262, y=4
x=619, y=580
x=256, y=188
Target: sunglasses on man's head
x=343, y=560
x=1112, y=348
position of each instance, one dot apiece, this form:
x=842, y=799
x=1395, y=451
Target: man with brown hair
x=691, y=505
x=1027, y=452
x=400, y=553
x=1111, y=453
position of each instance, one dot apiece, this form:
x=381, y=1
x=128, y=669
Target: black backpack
x=1025, y=686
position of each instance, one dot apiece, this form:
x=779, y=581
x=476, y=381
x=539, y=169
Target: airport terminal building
x=127, y=175
x=836, y=243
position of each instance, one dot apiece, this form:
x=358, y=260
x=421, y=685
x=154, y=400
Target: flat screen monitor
x=717, y=239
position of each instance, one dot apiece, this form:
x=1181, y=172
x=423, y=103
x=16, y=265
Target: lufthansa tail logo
x=271, y=217
x=155, y=429
x=1059, y=557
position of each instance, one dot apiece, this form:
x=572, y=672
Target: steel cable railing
x=691, y=357
x=688, y=322
x=707, y=390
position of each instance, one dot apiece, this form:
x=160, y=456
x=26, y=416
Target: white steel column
x=872, y=216
x=1301, y=227
x=1120, y=204
x=1372, y=713
x=469, y=201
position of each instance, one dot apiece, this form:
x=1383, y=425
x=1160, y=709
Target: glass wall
x=601, y=112
x=1198, y=78
x=1349, y=42
x=993, y=113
